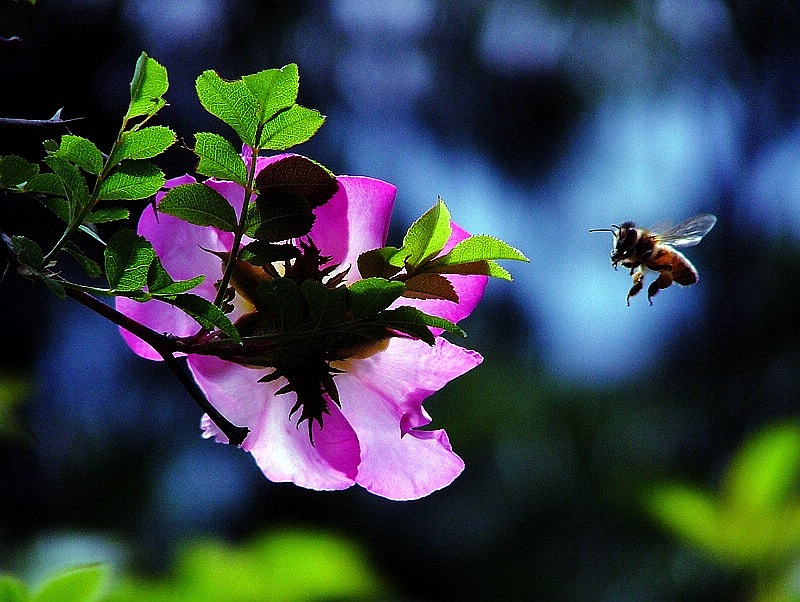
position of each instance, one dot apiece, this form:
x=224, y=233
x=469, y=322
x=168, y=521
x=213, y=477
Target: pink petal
x=382, y=400
x=281, y=449
x=355, y=220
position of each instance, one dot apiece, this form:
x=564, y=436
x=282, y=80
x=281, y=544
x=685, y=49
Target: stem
x=237, y=236
x=235, y=434
x=166, y=348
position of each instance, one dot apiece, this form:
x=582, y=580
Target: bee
x=641, y=249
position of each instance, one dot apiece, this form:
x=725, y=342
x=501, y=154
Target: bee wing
x=689, y=232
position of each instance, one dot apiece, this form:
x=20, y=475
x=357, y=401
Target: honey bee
x=641, y=249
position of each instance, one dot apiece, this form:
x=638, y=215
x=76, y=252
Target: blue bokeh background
x=535, y=121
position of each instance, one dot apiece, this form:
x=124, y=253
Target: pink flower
x=375, y=437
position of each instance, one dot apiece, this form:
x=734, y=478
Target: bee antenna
x=605, y=229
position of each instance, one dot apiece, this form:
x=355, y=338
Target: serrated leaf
x=376, y=263
x=300, y=176
x=208, y=315
x=132, y=180
x=430, y=286
x=81, y=152
x=474, y=268
x=279, y=216
x=108, y=214
x=28, y=252
x=144, y=143
x=45, y=183
x=90, y=267
x=60, y=206
x=200, y=205
x=76, y=585
x=327, y=306
x=14, y=170
x=290, y=128
x=426, y=237
x=148, y=87
x=74, y=184
x=282, y=297
x=371, y=295
x=161, y=284
x=275, y=89
x=416, y=323
x=260, y=252
x=218, y=158
x=127, y=261
x=230, y=101
x=481, y=247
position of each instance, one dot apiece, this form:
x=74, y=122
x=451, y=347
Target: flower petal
x=280, y=446
x=355, y=220
x=382, y=399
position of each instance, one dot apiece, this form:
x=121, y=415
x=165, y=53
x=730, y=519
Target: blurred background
x=613, y=452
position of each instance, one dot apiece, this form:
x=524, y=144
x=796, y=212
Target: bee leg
x=638, y=282
x=664, y=280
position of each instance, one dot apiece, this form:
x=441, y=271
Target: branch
x=54, y=121
x=165, y=346
x=12, y=43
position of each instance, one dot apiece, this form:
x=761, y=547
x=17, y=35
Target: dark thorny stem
x=165, y=346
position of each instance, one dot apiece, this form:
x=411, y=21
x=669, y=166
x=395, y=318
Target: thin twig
x=235, y=434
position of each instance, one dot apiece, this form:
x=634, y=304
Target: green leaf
x=208, y=315
x=60, y=206
x=260, y=252
x=372, y=295
x=200, y=205
x=144, y=143
x=230, y=101
x=219, y=159
x=15, y=170
x=127, y=261
x=45, y=183
x=327, y=306
x=90, y=267
x=475, y=268
x=481, y=247
x=132, y=180
x=275, y=89
x=416, y=323
x=425, y=238
x=148, y=87
x=76, y=585
x=690, y=513
x=430, y=286
x=160, y=283
x=376, y=263
x=28, y=252
x=108, y=214
x=283, y=298
x=290, y=128
x=300, y=176
x=81, y=152
x=279, y=216
x=73, y=183
x=764, y=474
x=13, y=589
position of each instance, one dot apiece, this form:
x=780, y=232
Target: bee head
x=624, y=240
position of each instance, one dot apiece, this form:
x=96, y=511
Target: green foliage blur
x=288, y=565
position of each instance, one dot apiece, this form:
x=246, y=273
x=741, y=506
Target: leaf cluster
x=422, y=262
